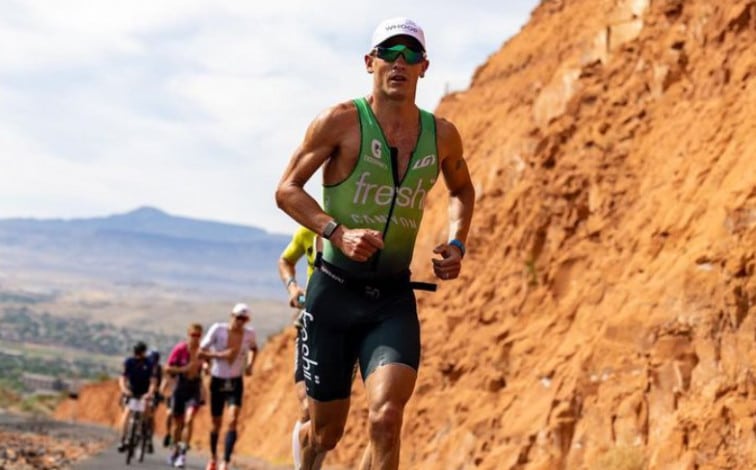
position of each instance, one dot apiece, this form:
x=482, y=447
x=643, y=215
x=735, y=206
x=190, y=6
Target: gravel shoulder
x=39, y=443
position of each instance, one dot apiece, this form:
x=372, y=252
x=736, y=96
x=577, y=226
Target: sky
x=195, y=107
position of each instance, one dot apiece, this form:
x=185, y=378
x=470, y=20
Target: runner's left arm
x=461, y=200
x=251, y=355
x=166, y=384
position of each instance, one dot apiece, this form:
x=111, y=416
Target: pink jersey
x=180, y=356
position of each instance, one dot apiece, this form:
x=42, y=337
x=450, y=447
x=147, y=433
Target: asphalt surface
x=58, y=429
x=111, y=458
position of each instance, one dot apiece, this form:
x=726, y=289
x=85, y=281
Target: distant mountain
x=147, y=246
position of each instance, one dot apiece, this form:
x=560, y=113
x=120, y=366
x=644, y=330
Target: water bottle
x=301, y=300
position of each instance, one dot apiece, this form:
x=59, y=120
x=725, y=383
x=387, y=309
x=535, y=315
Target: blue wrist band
x=459, y=245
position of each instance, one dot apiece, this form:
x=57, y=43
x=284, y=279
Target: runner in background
x=303, y=243
x=185, y=364
x=232, y=350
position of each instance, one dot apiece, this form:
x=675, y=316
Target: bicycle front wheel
x=144, y=436
x=131, y=441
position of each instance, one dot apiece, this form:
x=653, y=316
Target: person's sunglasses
x=195, y=335
x=390, y=54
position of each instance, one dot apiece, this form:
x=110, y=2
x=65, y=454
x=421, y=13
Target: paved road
x=46, y=426
x=110, y=458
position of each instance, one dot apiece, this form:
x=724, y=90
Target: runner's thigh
x=395, y=339
x=328, y=341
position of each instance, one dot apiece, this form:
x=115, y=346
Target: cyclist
x=380, y=155
x=138, y=380
x=185, y=364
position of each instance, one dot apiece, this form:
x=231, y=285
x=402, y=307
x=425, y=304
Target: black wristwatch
x=330, y=227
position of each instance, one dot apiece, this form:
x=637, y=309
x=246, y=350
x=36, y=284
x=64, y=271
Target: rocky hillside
x=605, y=315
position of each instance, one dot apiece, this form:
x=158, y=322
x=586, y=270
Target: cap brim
x=408, y=36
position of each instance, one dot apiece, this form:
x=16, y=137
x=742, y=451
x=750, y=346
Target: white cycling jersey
x=216, y=339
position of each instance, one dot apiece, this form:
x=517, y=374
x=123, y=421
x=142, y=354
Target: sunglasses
x=241, y=317
x=195, y=335
x=390, y=54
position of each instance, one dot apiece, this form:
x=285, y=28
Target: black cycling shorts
x=225, y=391
x=186, y=394
x=376, y=325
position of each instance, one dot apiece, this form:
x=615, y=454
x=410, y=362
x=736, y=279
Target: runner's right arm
x=209, y=340
x=321, y=145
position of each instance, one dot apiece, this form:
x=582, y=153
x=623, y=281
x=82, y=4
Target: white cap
x=240, y=310
x=399, y=26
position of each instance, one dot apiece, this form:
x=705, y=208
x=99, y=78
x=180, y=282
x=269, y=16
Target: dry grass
x=621, y=458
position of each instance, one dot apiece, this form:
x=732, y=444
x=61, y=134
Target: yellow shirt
x=302, y=243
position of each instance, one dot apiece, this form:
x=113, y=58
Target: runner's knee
x=327, y=437
x=385, y=423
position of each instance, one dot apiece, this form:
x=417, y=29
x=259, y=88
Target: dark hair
x=140, y=348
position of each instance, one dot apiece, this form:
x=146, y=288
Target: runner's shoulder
x=337, y=117
x=446, y=129
x=179, y=348
x=449, y=139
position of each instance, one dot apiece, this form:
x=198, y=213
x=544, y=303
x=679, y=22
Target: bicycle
x=138, y=429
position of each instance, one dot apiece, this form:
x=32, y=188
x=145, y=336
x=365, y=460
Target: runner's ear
x=369, y=63
x=425, y=68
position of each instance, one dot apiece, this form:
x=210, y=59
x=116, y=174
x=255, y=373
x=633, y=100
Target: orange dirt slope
x=605, y=314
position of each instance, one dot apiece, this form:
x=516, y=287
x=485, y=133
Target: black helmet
x=154, y=356
x=140, y=348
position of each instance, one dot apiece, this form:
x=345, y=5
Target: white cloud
x=196, y=106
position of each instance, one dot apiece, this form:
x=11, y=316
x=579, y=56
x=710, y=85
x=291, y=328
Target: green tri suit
x=370, y=197
x=367, y=310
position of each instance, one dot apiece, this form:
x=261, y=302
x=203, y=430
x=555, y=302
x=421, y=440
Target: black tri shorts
x=225, y=391
x=186, y=394
x=375, y=324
